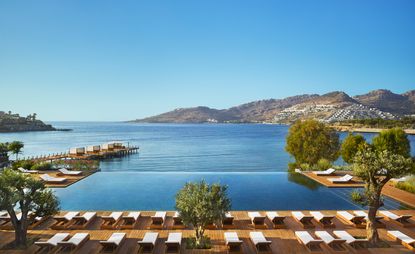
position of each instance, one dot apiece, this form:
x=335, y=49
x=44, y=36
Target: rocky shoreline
x=15, y=123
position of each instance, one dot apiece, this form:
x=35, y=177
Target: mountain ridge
x=330, y=107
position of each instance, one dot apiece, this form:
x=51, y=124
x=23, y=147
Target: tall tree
x=309, y=141
x=28, y=195
x=351, y=144
x=394, y=140
x=376, y=168
x=15, y=148
x=201, y=204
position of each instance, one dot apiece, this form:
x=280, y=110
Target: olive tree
x=350, y=145
x=376, y=168
x=309, y=141
x=200, y=204
x=28, y=194
x=394, y=140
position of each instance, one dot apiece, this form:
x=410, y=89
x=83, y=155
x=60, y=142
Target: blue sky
x=120, y=60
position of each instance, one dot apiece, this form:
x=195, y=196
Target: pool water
x=248, y=191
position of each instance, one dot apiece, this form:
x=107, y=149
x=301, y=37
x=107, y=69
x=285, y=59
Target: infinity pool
x=248, y=191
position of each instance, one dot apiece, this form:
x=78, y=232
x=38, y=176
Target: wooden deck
x=283, y=240
x=355, y=183
x=388, y=190
x=398, y=194
x=70, y=179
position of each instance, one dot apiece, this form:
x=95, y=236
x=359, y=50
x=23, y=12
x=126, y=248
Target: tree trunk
x=20, y=234
x=371, y=226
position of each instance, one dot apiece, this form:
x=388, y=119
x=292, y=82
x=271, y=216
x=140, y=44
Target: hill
x=390, y=102
x=330, y=107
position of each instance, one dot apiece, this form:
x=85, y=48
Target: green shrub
x=323, y=164
x=292, y=166
x=42, y=166
x=305, y=166
x=205, y=243
x=358, y=197
x=24, y=164
x=408, y=186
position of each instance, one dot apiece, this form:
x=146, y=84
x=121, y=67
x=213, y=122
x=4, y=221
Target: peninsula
x=10, y=122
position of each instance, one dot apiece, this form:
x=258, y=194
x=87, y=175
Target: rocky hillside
x=330, y=107
x=387, y=101
x=15, y=123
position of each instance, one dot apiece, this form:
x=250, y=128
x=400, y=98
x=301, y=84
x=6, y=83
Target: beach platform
x=388, y=190
x=282, y=240
x=355, y=183
x=69, y=179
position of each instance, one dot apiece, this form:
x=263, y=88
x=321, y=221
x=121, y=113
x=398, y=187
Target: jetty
x=91, y=152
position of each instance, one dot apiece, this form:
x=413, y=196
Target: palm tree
x=15, y=148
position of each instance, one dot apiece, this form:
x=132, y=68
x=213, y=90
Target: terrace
x=283, y=240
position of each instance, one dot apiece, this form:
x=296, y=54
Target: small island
x=10, y=122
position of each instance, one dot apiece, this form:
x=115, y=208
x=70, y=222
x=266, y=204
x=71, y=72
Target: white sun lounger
x=177, y=220
x=173, y=243
x=228, y=220
x=405, y=240
x=111, y=221
x=63, y=221
x=363, y=213
x=334, y=243
x=259, y=240
x=26, y=171
x=325, y=220
x=159, y=218
x=350, y=239
x=307, y=240
x=351, y=219
x=232, y=241
x=129, y=220
x=326, y=172
x=344, y=179
x=81, y=221
x=402, y=220
x=114, y=242
x=50, y=179
x=256, y=218
x=76, y=241
x=276, y=219
x=149, y=241
x=51, y=242
x=69, y=172
x=305, y=220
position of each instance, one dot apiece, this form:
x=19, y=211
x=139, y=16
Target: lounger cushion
x=401, y=236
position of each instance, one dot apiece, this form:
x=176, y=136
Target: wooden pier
x=99, y=155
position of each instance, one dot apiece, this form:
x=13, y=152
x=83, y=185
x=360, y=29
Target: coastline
x=366, y=129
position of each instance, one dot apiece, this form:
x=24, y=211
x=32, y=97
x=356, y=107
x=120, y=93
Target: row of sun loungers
x=336, y=241
x=73, y=220
x=5, y=220
x=121, y=220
